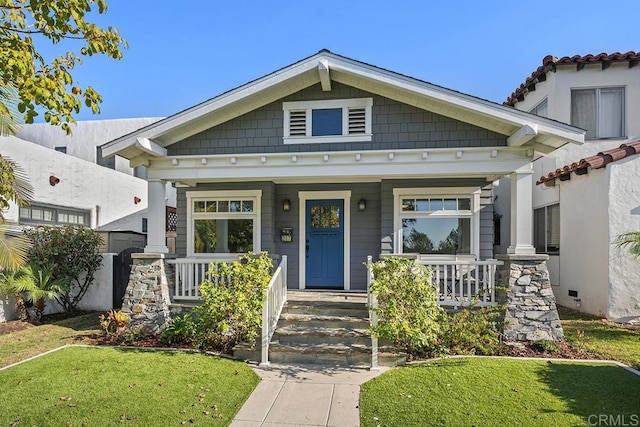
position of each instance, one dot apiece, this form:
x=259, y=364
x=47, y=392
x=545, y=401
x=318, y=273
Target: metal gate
x=121, y=270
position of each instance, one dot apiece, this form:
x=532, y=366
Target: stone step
x=302, y=334
x=332, y=354
x=317, y=320
x=326, y=308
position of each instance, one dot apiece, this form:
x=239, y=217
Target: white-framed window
x=600, y=111
x=53, y=215
x=223, y=222
x=437, y=220
x=546, y=229
x=541, y=109
x=340, y=120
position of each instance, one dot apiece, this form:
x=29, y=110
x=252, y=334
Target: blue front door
x=325, y=244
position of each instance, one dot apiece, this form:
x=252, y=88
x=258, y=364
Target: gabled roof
x=324, y=67
x=598, y=161
x=549, y=63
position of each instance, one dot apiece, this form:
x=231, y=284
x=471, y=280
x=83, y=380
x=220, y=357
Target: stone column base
x=531, y=313
x=146, y=300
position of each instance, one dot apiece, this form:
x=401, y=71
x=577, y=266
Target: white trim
x=192, y=196
x=343, y=104
x=303, y=196
x=478, y=162
x=454, y=192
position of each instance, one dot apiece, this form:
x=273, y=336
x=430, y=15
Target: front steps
x=328, y=328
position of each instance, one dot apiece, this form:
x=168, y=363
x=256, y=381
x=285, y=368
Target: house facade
x=581, y=204
x=330, y=160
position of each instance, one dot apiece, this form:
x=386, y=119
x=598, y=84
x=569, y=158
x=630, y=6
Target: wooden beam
x=580, y=66
x=531, y=87
x=633, y=63
x=606, y=64
x=565, y=177
x=523, y=135
x=542, y=77
x=544, y=149
x=325, y=78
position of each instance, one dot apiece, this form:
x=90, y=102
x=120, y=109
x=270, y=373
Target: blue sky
x=183, y=53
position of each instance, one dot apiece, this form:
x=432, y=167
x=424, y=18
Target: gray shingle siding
x=394, y=126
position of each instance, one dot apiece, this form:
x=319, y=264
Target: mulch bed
x=565, y=351
x=14, y=326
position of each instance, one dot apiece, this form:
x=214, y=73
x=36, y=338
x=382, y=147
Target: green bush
x=72, y=252
x=546, y=346
x=179, y=330
x=408, y=311
x=472, y=331
x=231, y=309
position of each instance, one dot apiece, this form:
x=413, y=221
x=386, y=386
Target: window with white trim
x=600, y=111
x=541, y=109
x=436, y=223
x=340, y=120
x=52, y=215
x=223, y=222
x=546, y=229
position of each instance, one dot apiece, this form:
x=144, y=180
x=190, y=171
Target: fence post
x=264, y=359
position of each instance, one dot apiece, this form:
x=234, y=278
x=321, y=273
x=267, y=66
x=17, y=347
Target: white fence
x=189, y=273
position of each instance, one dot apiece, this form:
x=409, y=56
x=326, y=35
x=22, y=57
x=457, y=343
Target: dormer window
x=342, y=120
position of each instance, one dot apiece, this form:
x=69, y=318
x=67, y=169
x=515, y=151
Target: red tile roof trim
x=598, y=161
x=550, y=62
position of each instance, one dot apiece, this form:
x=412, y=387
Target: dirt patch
x=14, y=326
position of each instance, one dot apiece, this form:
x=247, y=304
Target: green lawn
x=107, y=386
x=498, y=392
x=601, y=338
x=20, y=345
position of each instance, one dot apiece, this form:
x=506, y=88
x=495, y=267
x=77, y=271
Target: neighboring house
x=580, y=206
x=330, y=160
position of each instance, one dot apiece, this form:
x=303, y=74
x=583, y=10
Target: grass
x=107, y=386
x=604, y=339
x=30, y=342
x=496, y=392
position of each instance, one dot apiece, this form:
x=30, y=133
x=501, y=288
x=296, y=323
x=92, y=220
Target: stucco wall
x=394, y=126
x=85, y=137
x=107, y=194
x=584, y=242
x=624, y=216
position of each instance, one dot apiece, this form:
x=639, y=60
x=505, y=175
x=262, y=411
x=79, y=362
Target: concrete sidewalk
x=305, y=395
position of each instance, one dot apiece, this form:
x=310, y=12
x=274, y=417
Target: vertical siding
x=486, y=209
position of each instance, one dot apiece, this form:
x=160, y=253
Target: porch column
x=156, y=211
x=521, y=212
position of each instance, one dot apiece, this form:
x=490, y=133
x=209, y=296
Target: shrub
x=472, y=331
x=180, y=329
x=546, y=346
x=231, y=309
x=114, y=322
x=72, y=253
x=408, y=312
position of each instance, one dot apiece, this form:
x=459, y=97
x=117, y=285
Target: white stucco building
x=579, y=211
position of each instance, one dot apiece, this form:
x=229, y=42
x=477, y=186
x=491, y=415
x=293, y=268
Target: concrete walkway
x=305, y=395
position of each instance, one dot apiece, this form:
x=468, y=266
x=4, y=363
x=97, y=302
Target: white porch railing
x=275, y=296
x=372, y=304
x=189, y=273
x=463, y=282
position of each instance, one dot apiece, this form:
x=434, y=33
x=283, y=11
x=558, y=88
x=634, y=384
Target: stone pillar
x=521, y=212
x=531, y=313
x=157, y=216
x=146, y=300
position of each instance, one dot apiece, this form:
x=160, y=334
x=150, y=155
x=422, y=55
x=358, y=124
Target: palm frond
x=630, y=240
x=10, y=117
x=14, y=247
x=21, y=186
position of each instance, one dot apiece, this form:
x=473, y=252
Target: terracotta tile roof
x=598, y=161
x=549, y=63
